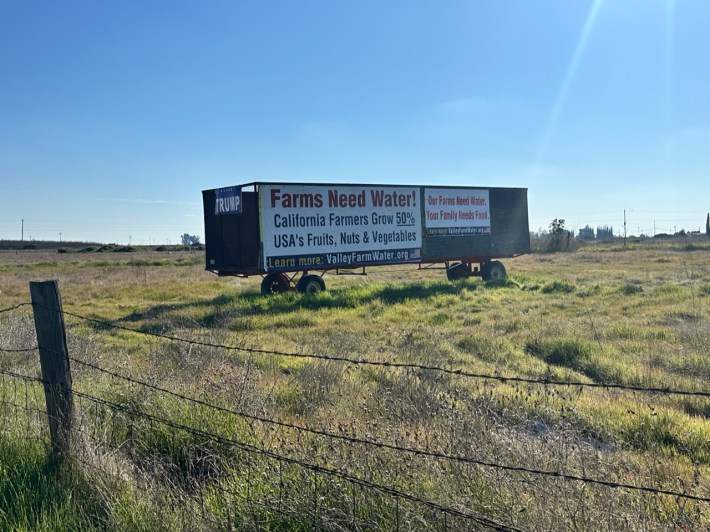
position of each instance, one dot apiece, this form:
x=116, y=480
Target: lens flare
x=567, y=82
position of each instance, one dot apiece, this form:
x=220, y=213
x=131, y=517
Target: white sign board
x=456, y=211
x=317, y=226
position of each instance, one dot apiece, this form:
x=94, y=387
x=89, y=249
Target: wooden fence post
x=54, y=359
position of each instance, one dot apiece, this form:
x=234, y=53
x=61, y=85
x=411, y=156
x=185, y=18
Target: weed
x=629, y=289
x=485, y=347
x=564, y=287
x=566, y=352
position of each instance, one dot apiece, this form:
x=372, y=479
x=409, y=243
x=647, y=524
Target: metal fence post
x=54, y=360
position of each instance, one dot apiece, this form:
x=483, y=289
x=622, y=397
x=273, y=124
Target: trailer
x=293, y=233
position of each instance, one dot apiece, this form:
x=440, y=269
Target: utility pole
x=60, y=237
x=624, y=227
x=23, y=230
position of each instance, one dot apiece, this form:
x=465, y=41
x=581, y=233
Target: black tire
x=274, y=283
x=458, y=271
x=310, y=284
x=493, y=271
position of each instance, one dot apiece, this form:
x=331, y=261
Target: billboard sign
x=456, y=212
x=326, y=226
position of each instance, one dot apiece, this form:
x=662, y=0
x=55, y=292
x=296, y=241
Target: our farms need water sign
x=318, y=226
x=456, y=211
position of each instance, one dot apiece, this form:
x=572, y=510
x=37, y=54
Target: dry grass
x=601, y=314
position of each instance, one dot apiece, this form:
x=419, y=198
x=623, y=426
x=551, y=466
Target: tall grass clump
x=38, y=493
x=558, y=287
x=486, y=348
x=579, y=355
x=630, y=289
x=568, y=352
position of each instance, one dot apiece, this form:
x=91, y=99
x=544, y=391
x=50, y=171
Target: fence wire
x=88, y=430
x=290, y=460
x=385, y=445
x=15, y=307
x=397, y=365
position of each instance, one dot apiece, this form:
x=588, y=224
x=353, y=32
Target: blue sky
x=114, y=116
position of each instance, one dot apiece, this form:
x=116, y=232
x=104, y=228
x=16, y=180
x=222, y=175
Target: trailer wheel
x=458, y=271
x=493, y=271
x=274, y=283
x=310, y=284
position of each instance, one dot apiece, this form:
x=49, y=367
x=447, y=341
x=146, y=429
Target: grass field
x=637, y=316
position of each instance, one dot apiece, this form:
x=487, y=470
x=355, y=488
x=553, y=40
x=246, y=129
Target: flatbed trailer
x=286, y=231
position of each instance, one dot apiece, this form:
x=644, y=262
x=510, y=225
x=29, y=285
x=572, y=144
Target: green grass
x=604, y=314
x=37, y=494
x=564, y=287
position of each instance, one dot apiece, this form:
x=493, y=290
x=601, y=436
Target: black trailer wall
x=232, y=241
x=509, y=236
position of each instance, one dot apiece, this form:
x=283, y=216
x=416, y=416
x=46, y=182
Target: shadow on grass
x=163, y=317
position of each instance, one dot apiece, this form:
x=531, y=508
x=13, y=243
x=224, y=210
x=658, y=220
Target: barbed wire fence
x=225, y=473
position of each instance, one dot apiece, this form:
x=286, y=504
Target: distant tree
x=190, y=240
x=558, y=232
x=586, y=232
x=605, y=232
x=557, y=226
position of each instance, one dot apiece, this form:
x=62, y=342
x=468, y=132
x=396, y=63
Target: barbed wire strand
x=420, y=452
x=334, y=472
x=400, y=365
x=10, y=309
x=270, y=454
x=306, y=465
x=19, y=350
x=27, y=378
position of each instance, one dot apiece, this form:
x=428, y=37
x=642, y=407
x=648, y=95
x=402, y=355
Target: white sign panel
x=456, y=211
x=316, y=226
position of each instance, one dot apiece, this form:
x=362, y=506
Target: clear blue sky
x=115, y=115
